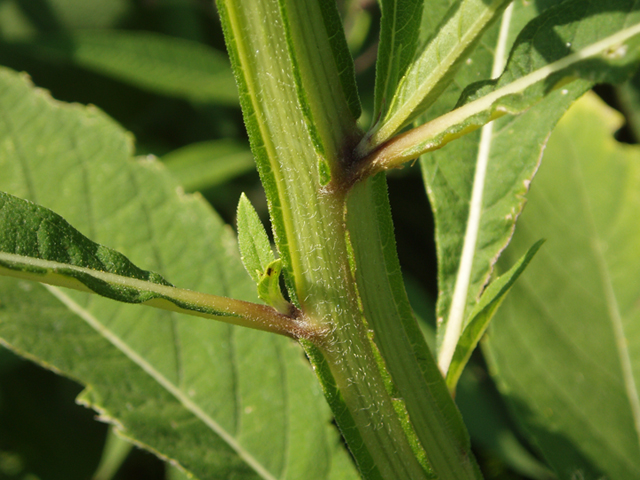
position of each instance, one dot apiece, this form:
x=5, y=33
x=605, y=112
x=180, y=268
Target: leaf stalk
x=293, y=324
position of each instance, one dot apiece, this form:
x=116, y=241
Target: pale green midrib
x=162, y=380
x=398, y=116
x=455, y=322
x=612, y=308
x=421, y=139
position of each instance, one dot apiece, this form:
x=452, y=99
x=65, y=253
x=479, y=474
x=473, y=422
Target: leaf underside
x=564, y=345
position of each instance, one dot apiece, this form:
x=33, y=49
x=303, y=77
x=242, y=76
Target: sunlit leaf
x=565, y=344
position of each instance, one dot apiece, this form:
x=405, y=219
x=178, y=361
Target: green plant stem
x=296, y=125
x=348, y=350
x=434, y=418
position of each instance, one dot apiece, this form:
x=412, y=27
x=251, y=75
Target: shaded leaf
x=20, y=20
x=399, y=34
x=151, y=61
x=510, y=151
x=219, y=400
x=597, y=42
x=207, y=164
x=564, y=347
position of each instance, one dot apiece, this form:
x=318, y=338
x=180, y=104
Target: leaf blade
x=51, y=251
x=574, y=290
x=604, y=49
x=482, y=314
x=151, y=61
x=434, y=68
x=255, y=248
x=204, y=165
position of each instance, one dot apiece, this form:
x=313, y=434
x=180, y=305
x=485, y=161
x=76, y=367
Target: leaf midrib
x=456, y=316
x=183, y=398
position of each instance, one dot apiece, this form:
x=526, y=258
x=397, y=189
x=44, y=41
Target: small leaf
x=482, y=314
x=565, y=345
x=255, y=248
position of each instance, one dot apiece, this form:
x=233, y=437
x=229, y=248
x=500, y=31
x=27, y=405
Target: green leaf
x=598, y=42
x=564, y=347
x=203, y=165
x=19, y=20
x=258, y=258
x=399, y=34
x=483, y=410
x=151, y=61
x=409, y=94
x=218, y=400
x=253, y=240
x=482, y=314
